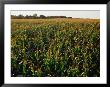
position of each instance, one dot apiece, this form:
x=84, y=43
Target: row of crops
x=55, y=48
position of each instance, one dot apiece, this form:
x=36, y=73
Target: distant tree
x=26, y=16
x=69, y=17
x=42, y=16
x=13, y=17
x=20, y=16
x=34, y=15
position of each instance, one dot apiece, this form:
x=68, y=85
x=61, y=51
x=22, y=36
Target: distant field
x=61, y=47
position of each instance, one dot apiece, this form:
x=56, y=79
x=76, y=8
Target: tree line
x=35, y=16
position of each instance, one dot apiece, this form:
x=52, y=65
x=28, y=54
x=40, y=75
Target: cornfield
x=59, y=47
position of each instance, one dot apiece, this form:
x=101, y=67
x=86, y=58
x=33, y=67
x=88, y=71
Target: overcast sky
x=75, y=14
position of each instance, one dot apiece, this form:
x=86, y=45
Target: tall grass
x=55, y=47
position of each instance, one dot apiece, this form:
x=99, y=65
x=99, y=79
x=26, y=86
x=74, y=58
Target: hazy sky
x=75, y=14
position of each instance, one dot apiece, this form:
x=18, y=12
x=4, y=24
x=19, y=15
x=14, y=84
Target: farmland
x=59, y=47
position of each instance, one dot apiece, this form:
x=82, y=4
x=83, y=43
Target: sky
x=94, y=14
